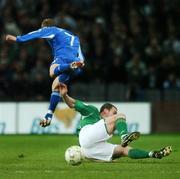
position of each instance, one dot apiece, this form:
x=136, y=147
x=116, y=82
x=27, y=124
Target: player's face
x=109, y=112
x=112, y=111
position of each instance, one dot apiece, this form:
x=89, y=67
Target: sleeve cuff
x=18, y=38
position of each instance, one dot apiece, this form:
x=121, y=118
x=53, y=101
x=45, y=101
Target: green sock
x=137, y=154
x=121, y=126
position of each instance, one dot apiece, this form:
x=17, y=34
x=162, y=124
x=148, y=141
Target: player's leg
x=55, y=98
x=118, y=122
x=57, y=69
x=105, y=151
x=127, y=151
x=55, y=95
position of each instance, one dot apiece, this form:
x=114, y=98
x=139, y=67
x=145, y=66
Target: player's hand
x=77, y=64
x=45, y=123
x=10, y=38
x=63, y=89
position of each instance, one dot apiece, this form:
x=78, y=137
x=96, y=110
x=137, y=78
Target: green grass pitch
x=42, y=156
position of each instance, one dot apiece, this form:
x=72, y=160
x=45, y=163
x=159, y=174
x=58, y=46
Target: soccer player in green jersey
x=96, y=127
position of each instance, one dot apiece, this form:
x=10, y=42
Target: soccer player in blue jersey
x=67, y=58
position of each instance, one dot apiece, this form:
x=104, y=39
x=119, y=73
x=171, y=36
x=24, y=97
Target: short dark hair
x=107, y=106
x=48, y=22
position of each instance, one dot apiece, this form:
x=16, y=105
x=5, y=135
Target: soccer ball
x=73, y=155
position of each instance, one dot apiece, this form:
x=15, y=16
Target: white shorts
x=92, y=139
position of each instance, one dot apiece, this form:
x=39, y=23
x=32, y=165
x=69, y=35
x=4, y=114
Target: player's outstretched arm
x=10, y=38
x=67, y=99
x=42, y=33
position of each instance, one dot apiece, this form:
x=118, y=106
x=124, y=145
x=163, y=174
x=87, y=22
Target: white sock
x=151, y=153
x=50, y=111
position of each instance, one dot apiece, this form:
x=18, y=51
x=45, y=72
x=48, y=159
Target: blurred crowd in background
x=134, y=43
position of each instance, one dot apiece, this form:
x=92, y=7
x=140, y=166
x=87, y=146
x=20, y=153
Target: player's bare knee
x=125, y=150
x=51, y=74
x=121, y=116
x=55, y=84
x=51, y=70
x=120, y=151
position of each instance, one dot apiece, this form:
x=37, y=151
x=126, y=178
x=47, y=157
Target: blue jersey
x=65, y=45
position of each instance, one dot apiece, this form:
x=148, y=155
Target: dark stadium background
x=131, y=47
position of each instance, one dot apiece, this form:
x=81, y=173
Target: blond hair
x=48, y=22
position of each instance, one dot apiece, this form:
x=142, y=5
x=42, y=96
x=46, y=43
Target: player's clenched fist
x=10, y=38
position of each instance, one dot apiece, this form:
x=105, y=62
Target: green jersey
x=90, y=114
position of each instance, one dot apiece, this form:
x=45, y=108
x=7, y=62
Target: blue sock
x=61, y=68
x=54, y=100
